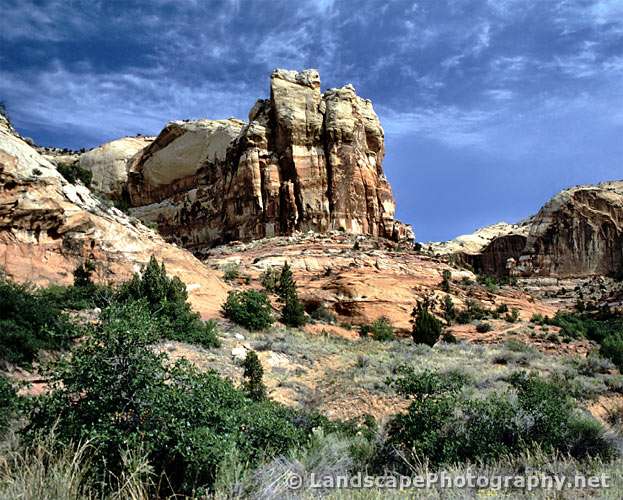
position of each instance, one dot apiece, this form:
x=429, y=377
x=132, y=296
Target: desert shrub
x=119, y=394
x=30, y=322
x=231, y=271
x=75, y=172
x=594, y=364
x=83, y=294
x=489, y=282
x=513, y=316
x=253, y=384
x=612, y=348
x=292, y=312
x=426, y=327
x=364, y=330
x=8, y=403
x=538, y=319
x=444, y=425
x=381, y=329
x=321, y=313
x=167, y=300
x=473, y=311
x=448, y=337
x=483, y=327
x=249, y=308
x=270, y=279
x=502, y=309
x=449, y=311
x=423, y=383
x=446, y=277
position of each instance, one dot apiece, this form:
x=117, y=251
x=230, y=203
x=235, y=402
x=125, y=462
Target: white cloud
x=117, y=104
x=449, y=125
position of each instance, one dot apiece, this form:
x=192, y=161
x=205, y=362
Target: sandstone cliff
x=109, y=164
x=48, y=226
x=305, y=161
x=579, y=232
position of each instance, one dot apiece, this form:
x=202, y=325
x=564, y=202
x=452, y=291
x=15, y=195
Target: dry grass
x=46, y=471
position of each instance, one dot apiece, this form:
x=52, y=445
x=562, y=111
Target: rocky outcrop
x=109, y=164
x=579, y=232
x=48, y=226
x=305, y=161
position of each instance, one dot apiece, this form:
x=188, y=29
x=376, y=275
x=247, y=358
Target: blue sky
x=489, y=107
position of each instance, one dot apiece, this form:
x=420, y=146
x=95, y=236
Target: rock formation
x=578, y=232
x=109, y=164
x=305, y=161
x=48, y=226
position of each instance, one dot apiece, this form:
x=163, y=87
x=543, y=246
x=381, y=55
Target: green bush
x=8, y=401
x=612, y=349
x=489, y=282
x=446, y=277
x=483, y=327
x=118, y=394
x=382, y=329
x=249, y=308
x=501, y=309
x=84, y=294
x=75, y=172
x=321, y=313
x=513, y=317
x=420, y=384
x=270, y=279
x=167, y=300
x=30, y=322
x=449, y=311
x=231, y=271
x=445, y=425
x=292, y=312
x=253, y=384
x=473, y=311
x=426, y=327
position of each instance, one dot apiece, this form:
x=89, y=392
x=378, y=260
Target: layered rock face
x=305, y=161
x=48, y=226
x=579, y=232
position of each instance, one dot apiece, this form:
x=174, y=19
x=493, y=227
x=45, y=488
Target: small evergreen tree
x=82, y=274
x=449, y=312
x=293, y=312
x=167, y=299
x=445, y=280
x=253, y=384
x=249, y=308
x=426, y=327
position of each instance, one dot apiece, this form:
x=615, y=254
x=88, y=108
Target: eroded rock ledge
x=305, y=161
x=578, y=232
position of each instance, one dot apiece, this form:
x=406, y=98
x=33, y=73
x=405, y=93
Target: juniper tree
x=253, y=383
x=426, y=327
x=292, y=312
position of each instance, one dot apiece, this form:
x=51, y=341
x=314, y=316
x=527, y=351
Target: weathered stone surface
x=109, y=163
x=48, y=226
x=305, y=161
x=170, y=164
x=579, y=232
